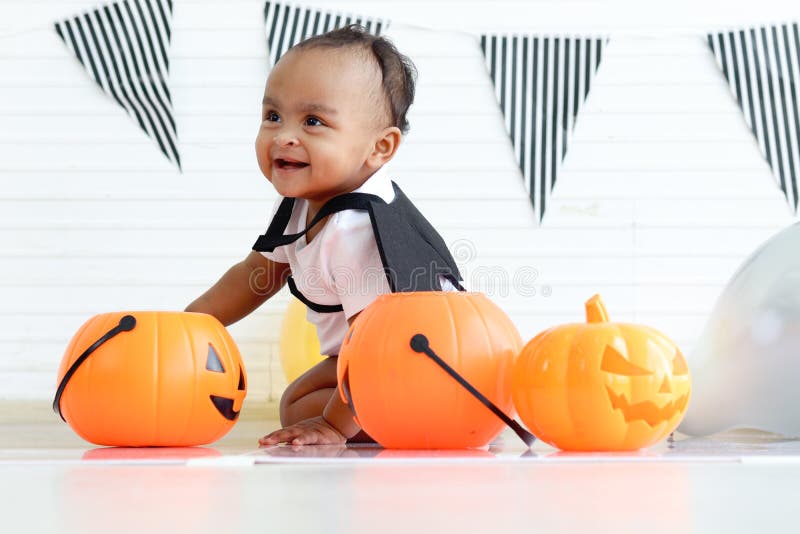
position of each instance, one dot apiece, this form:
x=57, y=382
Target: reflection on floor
x=54, y=442
x=740, y=481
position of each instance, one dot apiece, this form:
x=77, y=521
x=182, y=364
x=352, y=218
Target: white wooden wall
x=663, y=192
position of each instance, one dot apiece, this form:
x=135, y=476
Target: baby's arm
x=339, y=416
x=333, y=427
x=242, y=289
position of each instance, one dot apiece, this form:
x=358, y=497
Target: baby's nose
x=286, y=138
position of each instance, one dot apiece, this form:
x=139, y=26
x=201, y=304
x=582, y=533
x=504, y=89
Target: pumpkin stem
x=596, y=310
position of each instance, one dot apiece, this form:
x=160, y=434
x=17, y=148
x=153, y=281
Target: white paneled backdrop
x=662, y=195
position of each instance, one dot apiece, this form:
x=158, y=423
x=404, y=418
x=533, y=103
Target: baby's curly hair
x=398, y=72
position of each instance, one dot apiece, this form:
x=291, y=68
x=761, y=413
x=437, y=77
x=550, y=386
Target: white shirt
x=341, y=265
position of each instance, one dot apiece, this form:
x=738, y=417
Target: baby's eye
x=313, y=121
x=271, y=116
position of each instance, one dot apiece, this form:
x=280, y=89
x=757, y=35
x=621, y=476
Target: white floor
x=51, y=481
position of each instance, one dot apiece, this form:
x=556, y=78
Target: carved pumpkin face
x=601, y=385
x=404, y=400
x=165, y=379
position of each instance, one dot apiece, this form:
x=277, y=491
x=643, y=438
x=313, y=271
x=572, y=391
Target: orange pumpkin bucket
x=151, y=379
x=601, y=386
x=400, y=394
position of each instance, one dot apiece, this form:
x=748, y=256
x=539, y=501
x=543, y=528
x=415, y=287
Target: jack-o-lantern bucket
x=151, y=379
x=599, y=386
x=404, y=399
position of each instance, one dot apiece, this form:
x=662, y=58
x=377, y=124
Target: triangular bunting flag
x=540, y=83
x=123, y=46
x=761, y=66
x=287, y=25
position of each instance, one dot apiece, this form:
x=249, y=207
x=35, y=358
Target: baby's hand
x=314, y=431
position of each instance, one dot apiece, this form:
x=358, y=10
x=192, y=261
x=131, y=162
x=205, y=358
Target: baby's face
x=320, y=121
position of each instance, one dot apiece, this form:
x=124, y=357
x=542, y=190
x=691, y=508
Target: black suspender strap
x=275, y=237
x=277, y=225
x=319, y=308
x=282, y=216
x=401, y=228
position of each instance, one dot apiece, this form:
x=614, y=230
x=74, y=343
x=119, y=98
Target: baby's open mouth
x=289, y=164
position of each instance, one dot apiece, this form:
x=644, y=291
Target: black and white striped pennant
x=761, y=66
x=287, y=25
x=123, y=46
x=540, y=83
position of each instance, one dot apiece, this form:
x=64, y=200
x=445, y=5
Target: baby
x=342, y=233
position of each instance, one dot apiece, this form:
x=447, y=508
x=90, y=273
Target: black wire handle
x=126, y=324
x=419, y=343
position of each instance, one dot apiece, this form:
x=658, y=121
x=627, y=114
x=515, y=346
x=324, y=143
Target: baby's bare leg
x=307, y=396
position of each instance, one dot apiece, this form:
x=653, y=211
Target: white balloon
x=746, y=365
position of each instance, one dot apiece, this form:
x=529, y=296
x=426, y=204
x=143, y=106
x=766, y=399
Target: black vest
x=413, y=253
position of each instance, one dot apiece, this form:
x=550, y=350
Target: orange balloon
x=403, y=399
x=173, y=379
x=601, y=386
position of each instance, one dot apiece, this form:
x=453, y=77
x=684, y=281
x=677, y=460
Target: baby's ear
x=385, y=147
